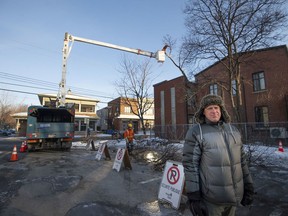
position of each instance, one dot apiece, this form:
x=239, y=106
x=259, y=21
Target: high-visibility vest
x=129, y=134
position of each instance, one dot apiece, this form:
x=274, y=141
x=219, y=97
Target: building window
x=162, y=110
x=258, y=81
x=76, y=106
x=150, y=111
x=92, y=125
x=50, y=103
x=87, y=108
x=173, y=107
x=234, y=87
x=127, y=109
x=82, y=125
x=213, y=89
x=261, y=116
x=76, y=125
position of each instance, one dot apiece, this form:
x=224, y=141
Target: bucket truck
x=68, y=42
x=53, y=127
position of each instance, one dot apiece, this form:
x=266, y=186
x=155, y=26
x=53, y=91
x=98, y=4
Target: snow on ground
x=267, y=155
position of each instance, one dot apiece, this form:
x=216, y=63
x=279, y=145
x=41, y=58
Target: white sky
x=32, y=34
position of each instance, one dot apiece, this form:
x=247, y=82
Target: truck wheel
x=31, y=148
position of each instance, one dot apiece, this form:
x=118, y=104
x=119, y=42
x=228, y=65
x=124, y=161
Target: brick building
x=119, y=114
x=263, y=85
x=264, y=88
x=172, y=107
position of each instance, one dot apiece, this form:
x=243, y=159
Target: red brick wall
x=272, y=61
x=180, y=101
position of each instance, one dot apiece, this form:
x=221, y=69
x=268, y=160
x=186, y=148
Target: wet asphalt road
x=67, y=183
x=74, y=183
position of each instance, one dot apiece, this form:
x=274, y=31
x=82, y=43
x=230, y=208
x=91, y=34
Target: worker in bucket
x=215, y=166
x=129, y=137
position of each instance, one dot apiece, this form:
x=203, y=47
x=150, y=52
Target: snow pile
x=267, y=155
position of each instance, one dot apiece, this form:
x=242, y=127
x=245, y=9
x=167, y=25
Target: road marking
x=150, y=180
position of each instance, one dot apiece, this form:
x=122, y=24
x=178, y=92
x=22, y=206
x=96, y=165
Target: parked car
x=6, y=133
x=12, y=131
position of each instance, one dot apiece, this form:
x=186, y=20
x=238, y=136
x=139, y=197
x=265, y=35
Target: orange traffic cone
x=22, y=149
x=14, y=155
x=280, y=148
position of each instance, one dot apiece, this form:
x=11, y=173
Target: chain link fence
x=257, y=138
x=251, y=132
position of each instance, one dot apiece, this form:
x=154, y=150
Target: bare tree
x=4, y=109
x=134, y=87
x=7, y=108
x=224, y=30
x=180, y=61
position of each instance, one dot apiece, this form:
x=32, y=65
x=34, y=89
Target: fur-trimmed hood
x=212, y=100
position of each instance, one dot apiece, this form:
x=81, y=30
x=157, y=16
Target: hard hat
x=129, y=125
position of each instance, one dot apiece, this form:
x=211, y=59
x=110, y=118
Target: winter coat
x=214, y=163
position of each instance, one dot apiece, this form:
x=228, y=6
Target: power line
x=18, y=91
x=32, y=93
x=27, y=86
x=26, y=79
x=55, y=87
x=46, y=83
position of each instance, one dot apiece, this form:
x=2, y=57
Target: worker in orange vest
x=129, y=137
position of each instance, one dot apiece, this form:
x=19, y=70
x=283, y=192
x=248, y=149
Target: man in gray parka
x=216, y=172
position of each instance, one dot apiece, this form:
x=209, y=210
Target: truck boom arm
x=159, y=55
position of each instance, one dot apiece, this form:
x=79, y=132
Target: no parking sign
x=118, y=159
x=100, y=150
x=103, y=149
x=122, y=155
x=172, y=183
